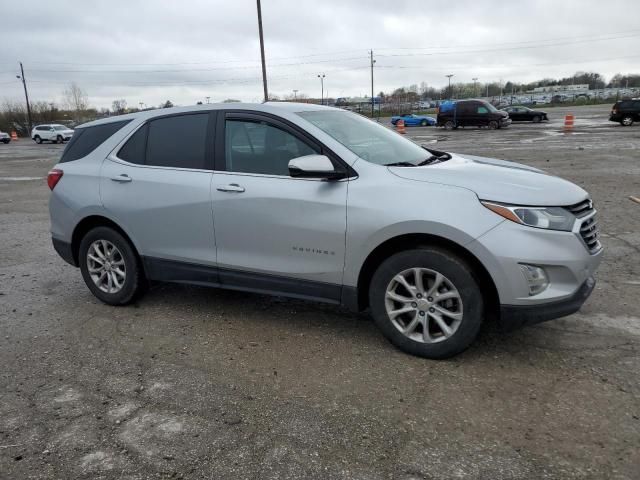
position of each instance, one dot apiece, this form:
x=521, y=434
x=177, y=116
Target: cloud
x=184, y=51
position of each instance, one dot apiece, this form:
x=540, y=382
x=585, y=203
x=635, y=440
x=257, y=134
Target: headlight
x=551, y=218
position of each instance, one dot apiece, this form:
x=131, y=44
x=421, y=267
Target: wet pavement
x=203, y=383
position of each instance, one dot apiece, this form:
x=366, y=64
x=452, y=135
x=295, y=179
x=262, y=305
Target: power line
x=537, y=43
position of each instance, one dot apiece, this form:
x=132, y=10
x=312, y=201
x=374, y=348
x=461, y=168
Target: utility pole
x=295, y=94
x=449, y=77
x=475, y=86
x=264, y=68
x=321, y=77
x=26, y=96
x=372, y=101
x=141, y=104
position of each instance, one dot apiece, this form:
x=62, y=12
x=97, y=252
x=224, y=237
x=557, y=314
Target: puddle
x=19, y=179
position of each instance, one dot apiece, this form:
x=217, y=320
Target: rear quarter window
x=86, y=140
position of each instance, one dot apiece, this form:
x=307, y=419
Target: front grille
x=589, y=226
x=582, y=209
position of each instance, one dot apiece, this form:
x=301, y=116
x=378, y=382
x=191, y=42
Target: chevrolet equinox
x=323, y=204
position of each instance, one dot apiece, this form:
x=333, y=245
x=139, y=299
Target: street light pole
x=372, y=102
x=321, y=77
x=449, y=77
x=475, y=86
x=26, y=96
x=264, y=68
x=295, y=94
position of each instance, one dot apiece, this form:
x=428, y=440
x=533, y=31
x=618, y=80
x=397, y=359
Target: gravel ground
x=203, y=383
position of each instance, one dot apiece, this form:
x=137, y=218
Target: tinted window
x=134, y=150
x=257, y=147
x=466, y=108
x=86, y=140
x=483, y=110
x=178, y=141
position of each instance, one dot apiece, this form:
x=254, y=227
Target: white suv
x=53, y=132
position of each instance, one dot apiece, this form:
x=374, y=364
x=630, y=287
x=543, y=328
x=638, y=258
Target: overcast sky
x=187, y=50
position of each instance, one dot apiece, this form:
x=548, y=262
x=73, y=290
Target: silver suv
x=319, y=203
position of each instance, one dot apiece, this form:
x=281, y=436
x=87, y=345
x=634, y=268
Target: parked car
x=51, y=132
x=626, y=112
x=4, y=137
x=432, y=243
x=412, y=120
x=525, y=114
x=471, y=113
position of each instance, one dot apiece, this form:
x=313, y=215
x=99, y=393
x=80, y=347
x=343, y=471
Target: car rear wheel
x=536, y=119
x=38, y=139
x=449, y=125
x=493, y=125
x=626, y=121
x=427, y=302
x=110, y=266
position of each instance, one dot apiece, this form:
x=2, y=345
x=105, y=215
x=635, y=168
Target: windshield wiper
x=401, y=164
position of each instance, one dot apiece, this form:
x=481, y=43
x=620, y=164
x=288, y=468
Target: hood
x=497, y=180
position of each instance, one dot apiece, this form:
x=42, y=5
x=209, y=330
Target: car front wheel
x=493, y=125
x=536, y=119
x=423, y=123
x=626, y=121
x=427, y=302
x=110, y=266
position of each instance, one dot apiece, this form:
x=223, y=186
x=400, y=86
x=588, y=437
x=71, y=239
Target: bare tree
x=76, y=100
x=119, y=106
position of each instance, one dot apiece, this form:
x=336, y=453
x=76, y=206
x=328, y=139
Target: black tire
x=626, y=121
x=536, y=119
x=59, y=139
x=423, y=123
x=5, y=141
x=134, y=280
x=457, y=272
x=37, y=139
x=449, y=125
x=493, y=125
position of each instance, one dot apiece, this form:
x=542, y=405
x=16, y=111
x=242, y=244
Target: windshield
x=367, y=139
x=491, y=107
x=59, y=127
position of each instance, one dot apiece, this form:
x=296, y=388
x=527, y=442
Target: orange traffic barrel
x=14, y=136
x=400, y=127
x=568, y=121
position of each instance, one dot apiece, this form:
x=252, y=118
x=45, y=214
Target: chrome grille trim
x=587, y=230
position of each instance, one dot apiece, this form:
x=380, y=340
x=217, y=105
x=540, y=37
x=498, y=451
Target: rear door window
x=86, y=140
x=178, y=141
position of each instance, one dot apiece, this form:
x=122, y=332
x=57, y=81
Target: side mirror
x=313, y=166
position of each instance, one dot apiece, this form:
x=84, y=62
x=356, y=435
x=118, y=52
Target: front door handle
x=232, y=187
x=124, y=178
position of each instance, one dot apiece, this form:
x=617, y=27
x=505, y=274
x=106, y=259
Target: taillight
x=54, y=177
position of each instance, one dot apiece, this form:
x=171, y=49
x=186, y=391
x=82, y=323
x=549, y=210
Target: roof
x=268, y=107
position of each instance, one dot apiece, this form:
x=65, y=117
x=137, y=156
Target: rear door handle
x=124, y=178
x=232, y=187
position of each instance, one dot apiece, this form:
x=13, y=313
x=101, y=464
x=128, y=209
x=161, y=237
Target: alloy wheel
x=424, y=305
x=106, y=266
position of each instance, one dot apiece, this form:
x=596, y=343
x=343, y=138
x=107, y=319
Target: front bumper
x=566, y=260
x=517, y=316
x=505, y=122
